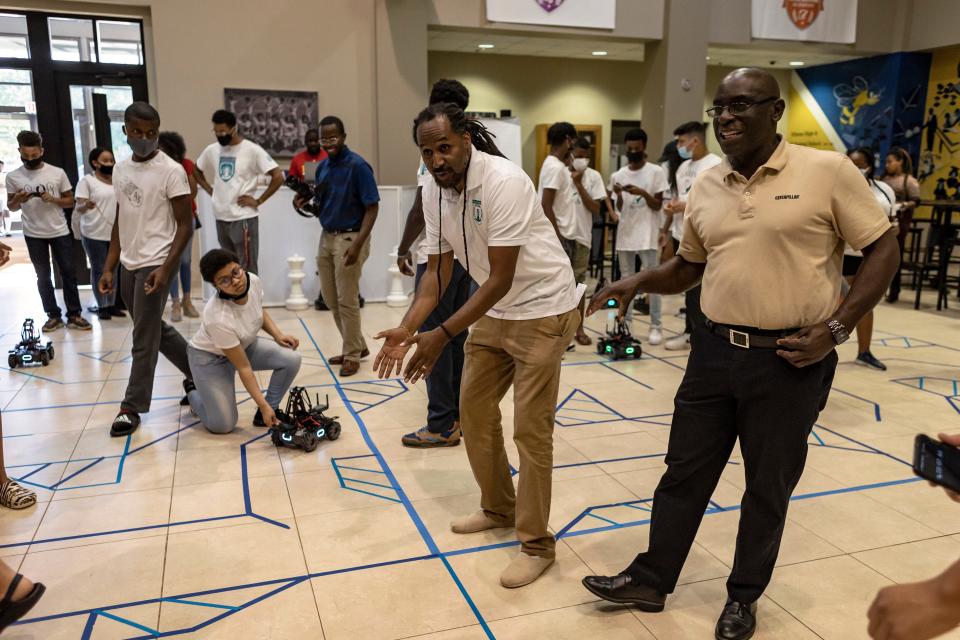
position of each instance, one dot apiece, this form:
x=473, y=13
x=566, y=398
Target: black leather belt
x=748, y=337
x=340, y=232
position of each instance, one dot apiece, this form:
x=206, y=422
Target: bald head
x=761, y=79
x=747, y=108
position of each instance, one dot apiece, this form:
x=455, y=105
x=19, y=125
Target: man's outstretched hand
x=622, y=291
x=395, y=347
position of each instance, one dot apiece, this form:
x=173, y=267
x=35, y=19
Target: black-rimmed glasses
x=736, y=107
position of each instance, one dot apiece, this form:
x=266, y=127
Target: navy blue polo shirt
x=347, y=187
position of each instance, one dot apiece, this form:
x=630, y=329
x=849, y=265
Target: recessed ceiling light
x=485, y=46
x=796, y=63
x=708, y=58
x=599, y=53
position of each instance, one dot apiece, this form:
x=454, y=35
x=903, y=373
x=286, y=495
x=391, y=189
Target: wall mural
x=939, y=135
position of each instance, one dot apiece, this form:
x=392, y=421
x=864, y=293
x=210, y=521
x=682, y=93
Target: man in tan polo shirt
x=765, y=232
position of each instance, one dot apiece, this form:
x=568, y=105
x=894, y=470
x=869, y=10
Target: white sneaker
x=655, y=336
x=678, y=343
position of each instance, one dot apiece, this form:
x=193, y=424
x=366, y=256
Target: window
x=13, y=36
x=18, y=111
x=119, y=42
x=72, y=39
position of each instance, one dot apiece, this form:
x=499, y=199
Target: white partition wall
x=283, y=233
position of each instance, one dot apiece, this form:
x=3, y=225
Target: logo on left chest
x=477, y=211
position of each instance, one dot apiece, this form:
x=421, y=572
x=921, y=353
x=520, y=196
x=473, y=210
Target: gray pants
x=215, y=400
x=649, y=259
x=243, y=238
x=151, y=336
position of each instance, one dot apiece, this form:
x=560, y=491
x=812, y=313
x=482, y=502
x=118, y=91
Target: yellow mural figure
x=853, y=97
x=939, y=170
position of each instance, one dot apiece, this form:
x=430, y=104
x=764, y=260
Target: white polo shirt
x=502, y=210
x=555, y=175
x=593, y=185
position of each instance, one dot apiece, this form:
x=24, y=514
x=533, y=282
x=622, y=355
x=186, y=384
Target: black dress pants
x=728, y=393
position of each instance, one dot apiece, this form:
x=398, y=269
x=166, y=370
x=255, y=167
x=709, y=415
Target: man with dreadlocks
x=483, y=210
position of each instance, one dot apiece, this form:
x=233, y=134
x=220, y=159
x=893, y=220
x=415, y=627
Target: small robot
x=619, y=344
x=302, y=423
x=30, y=351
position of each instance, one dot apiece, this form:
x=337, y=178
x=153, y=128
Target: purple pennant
x=549, y=5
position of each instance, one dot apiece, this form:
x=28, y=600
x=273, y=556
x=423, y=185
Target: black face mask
x=106, y=169
x=635, y=156
x=31, y=164
x=314, y=149
x=229, y=296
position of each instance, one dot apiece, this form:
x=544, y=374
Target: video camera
x=306, y=191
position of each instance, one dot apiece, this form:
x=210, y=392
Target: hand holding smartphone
x=938, y=462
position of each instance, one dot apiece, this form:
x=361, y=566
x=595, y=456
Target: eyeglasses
x=735, y=108
x=331, y=140
x=226, y=281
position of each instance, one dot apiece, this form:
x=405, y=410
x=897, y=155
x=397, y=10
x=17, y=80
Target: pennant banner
x=589, y=14
x=811, y=20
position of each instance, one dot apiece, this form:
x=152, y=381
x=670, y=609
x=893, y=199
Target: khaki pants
x=527, y=354
x=340, y=286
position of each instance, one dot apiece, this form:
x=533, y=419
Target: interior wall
x=715, y=75
x=933, y=24
x=546, y=90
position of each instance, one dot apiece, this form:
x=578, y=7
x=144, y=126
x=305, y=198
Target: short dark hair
x=558, y=133
x=141, y=111
x=448, y=90
x=214, y=260
x=222, y=116
x=584, y=143
x=172, y=144
x=636, y=134
x=313, y=130
x=95, y=154
x=329, y=120
x=692, y=128
x=29, y=139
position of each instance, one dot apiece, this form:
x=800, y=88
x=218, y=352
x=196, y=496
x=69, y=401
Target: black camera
x=308, y=192
x=298, y=186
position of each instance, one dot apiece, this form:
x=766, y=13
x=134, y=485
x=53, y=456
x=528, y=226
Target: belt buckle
x=739, y=339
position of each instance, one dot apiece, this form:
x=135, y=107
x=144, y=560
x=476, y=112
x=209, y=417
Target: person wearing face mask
x=232, y=165
x=152, y=228
x=97, y=208
x=41, y=192
x=590, y=194
x=172, y=144
x=312, y=153
x=692, y=147
x=639, y=189
x=864, y=159
x=227, y=343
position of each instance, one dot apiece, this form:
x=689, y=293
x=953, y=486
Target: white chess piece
x=297, y=301
x=397, y=296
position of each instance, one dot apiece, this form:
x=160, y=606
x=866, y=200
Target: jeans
x=215, y=400
x=97, y=253
x=62, y=249
x=151, y=337
x=729, y=393
x=649, y=259
x=243, y=238
x=443, y=383
x=184, y=279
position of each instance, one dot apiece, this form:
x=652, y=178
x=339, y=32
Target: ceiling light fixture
x=708, y=58
x=485, y=46
x=796, y=63
x=599, y=53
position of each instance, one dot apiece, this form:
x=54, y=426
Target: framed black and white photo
x=276, y=120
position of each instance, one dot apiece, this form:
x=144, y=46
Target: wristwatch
x=840, y=333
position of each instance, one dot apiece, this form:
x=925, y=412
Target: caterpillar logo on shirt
x=795, y=196
x=477, y=211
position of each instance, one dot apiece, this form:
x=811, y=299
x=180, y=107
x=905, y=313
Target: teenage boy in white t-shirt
x=41, y=192
x=154, y=223
x=483, y=209
x=590, y=194
x=639, y=189
x=692, y=147
x=232, y=165
x=443, y=383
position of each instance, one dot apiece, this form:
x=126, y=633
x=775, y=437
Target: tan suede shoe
x=476, y=522
x=523, y=570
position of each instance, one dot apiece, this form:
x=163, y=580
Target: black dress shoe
x=737, y=622
x=622, y=589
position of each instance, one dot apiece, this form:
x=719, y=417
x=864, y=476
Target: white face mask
x=865, y=172
x=581, y=163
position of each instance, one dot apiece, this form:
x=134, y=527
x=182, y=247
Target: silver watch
x=839, y=332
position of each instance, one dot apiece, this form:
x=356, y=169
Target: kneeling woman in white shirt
x=227, y=342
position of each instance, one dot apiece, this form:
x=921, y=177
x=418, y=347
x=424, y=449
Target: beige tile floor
x=180, y=532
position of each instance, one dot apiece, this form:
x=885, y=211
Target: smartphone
x=937, y=462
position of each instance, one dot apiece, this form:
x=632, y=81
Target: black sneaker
x=320, y=305
x=188, y=386
x=125, y=423
x=117, y=312
x=78, y=323
x=869, y=360
x=104, y=314
x=52, y=324
x=258, y=419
